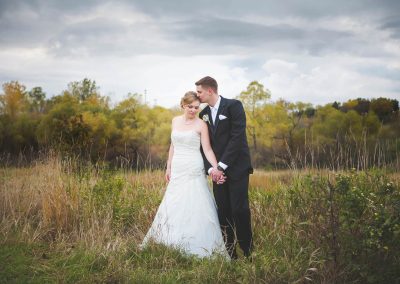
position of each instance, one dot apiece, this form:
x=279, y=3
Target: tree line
x=360, y=133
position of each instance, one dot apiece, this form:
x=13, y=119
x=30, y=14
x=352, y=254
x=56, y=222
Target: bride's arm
x=170, y=154
x=205, y=144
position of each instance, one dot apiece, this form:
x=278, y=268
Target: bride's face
x=191, y=109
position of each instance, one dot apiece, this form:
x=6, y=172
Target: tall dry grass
x=66, y=204
x=54, y=199
x=49, y=201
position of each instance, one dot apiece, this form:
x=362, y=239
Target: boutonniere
x=222, y=117
x=206, y=118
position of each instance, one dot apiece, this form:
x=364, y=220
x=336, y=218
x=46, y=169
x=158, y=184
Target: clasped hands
x=217, y=176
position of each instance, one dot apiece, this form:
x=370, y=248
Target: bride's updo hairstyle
x=189, y=98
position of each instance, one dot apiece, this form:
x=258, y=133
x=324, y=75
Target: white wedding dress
x=187, y=218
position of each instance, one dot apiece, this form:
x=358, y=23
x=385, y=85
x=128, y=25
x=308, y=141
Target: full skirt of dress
x=187, y=217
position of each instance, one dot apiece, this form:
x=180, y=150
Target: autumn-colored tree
x=1, y=133
x=253, y=98
x=384, y=108
x=125, y=117
x=83, y=90
x=37, y=100
x=17, y=127
x=273, y=134
x=63, y=126
x=13, y=101
x=360, y=105
x=357, y=133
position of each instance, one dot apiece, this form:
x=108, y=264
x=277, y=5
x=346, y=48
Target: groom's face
x=203, y=93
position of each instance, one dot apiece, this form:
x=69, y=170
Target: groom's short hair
x=208, y=82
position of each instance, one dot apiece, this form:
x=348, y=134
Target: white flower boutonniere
x=206, y=118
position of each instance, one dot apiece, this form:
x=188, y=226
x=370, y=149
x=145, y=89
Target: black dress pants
x=234, y=214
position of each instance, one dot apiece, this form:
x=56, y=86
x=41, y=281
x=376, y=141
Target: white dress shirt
x=214, y=111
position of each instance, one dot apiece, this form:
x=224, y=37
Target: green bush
x=369, y=224
x=354, y=218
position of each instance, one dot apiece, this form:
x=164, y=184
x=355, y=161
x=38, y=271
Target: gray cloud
x=223, y=33
x=305, y=8
x=239, y=35
x=392, y=24
x=194, y=26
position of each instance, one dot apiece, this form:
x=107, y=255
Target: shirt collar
x=216, y=106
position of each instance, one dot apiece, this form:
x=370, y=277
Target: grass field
x=67, y=222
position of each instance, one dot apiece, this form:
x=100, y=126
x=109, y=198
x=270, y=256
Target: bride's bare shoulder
x=201, y=122
x=174, y=122
x=176, y=118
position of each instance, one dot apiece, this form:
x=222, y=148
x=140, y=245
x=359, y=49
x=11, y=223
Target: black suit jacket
x=228, y=138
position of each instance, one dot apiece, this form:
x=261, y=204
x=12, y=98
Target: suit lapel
x=221, y=107
x=210, y=118
x=210, y=125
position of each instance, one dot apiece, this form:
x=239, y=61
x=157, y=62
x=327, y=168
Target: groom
x=226, y=122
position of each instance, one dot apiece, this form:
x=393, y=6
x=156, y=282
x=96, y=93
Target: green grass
x=41, y=263
x=17, y=261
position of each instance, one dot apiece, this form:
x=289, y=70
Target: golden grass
x=56, y=202
x=47, y=201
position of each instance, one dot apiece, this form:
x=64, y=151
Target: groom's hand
x=222, y=179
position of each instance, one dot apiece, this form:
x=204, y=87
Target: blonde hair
x=188, y=98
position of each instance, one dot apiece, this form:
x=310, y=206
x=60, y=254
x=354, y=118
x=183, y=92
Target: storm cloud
x=314, y=51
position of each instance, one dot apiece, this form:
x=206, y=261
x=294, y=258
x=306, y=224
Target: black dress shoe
x=248, y=256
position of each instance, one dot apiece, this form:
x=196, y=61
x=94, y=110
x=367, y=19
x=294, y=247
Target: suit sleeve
x=237, y=138
x=207, y=164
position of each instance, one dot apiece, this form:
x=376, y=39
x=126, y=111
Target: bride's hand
x=216, y=174
x=167, y=174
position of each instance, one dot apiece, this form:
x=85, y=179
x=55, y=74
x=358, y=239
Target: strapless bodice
x=187, y=160
x=185, y=142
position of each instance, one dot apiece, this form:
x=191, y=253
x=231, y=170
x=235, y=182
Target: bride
x=187, y=218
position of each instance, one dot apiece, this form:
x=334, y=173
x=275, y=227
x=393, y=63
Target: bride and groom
x=189, y=218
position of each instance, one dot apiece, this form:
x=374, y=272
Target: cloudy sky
x=311, y=51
